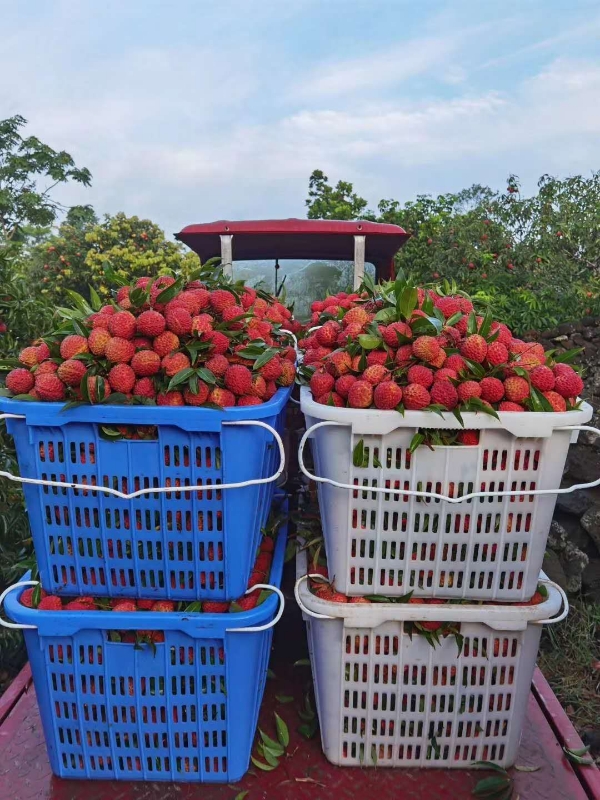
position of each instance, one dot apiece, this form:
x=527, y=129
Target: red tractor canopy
x=359, y=241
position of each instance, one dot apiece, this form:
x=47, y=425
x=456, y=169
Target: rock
x=557, y=537
x=575, y=533
x=583, y=463
x=574, y=562
x=589, y=321
x=566, y=329
x=575, y=503
x=561, y=338
x=591, y=580
x=554, y=570
x=590, y=522
x=551, y=334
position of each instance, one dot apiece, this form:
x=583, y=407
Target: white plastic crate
x=386, y=699
x=463, y=522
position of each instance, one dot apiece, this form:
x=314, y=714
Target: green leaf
x=80, y=302
x=454, y=319
x=520, y=768
x=283, y=733
x=270, y=756
x=260, y=765
x=95, y=299
x=180, y=377
x=490, y=787
x=265, y=358
x=170, y=292
x=426, y=326
x=472, y=323
x=369, y=342
x=308, y=729
x=408, y=301
x=241, y=795
x=302, y=662
x=206, y=375
x=416, y=441
x=568, y=355
x=385, y=315
x=271, y=674
x=487, y=323
x=284, y=698
x=490, y=765
x=478, y=405
x=358, y=453
x=274, y=746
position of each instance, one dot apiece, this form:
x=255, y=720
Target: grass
x=567, y=657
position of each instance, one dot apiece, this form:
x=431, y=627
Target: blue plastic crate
x=186, y=712
x=178, y=545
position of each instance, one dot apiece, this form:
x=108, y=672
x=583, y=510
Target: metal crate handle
x=434, y=495
x=161, y=489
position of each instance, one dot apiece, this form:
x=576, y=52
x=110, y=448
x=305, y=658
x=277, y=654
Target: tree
x=325, y=202
x=535, y=259
x=25, y=163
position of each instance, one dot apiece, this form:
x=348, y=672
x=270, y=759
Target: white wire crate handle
x=549, y=621
x=16, y=625
x=213, y=487
x=276, y=618
x=434, y=495
x=255, y=629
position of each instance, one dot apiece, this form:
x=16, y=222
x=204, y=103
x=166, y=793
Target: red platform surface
x=305, y=773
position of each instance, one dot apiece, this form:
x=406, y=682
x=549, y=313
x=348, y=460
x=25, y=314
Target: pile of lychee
x=166, y=342
x=406, y=348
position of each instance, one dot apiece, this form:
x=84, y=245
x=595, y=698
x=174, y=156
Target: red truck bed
x=305, y=773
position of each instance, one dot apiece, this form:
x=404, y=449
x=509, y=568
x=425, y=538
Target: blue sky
x=194, y=110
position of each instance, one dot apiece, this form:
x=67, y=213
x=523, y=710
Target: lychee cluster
x=169, y=343
x=407, y=348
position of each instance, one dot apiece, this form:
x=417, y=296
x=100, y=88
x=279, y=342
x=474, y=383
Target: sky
x=196, y=110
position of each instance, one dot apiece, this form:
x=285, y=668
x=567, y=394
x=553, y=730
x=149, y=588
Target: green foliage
x=85, y=252
x=536, y=260
x=24, y=164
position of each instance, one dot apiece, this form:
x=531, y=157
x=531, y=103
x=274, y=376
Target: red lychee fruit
x=404, y=355
x=321, y=383
x=377, y=357
x=220, y=299
x=259, y=386
x=165, y=343
x=497, y=354
x=20, y=381
x=375, y=374
x=343, y=384
x=121, y=378
x=220, y=342
x=507, y=405
x=339, y=363
x=474, y=348
x=421, y=375
x=387, y=395
x=444, y=374
x=71, y=371
x=360, y=394
x=222, y=397
x=557, y=402
x=73, y=345
x=456, y=363
x=179, y=320
x=249, y=400
x=272, y=370
x=122, y=324
x=516, y=389
x=467, y=390
x=288, y=374
x=492, y=389
x=197, y=398
x=98, y=339
x=330, y=399
x=144, y=387
x=174, y=363
x=43, y=352
x=218, y=365
x=145, y=363
x=396, y=333
x=170, y=399
x=444, y=394
x=426, y=348
x=542, y=378
x=150, y=323
x=119, y=351
x=238, y=379
x=448, y=306
x=356, y=315
x=327, y=335
x=49, y=387
x=29, y=356
x=50, y=603
x=202, y=324
x=568, y=384
x=46, y=368
x=468, y=438
x=98, y=388
x=416, y=397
